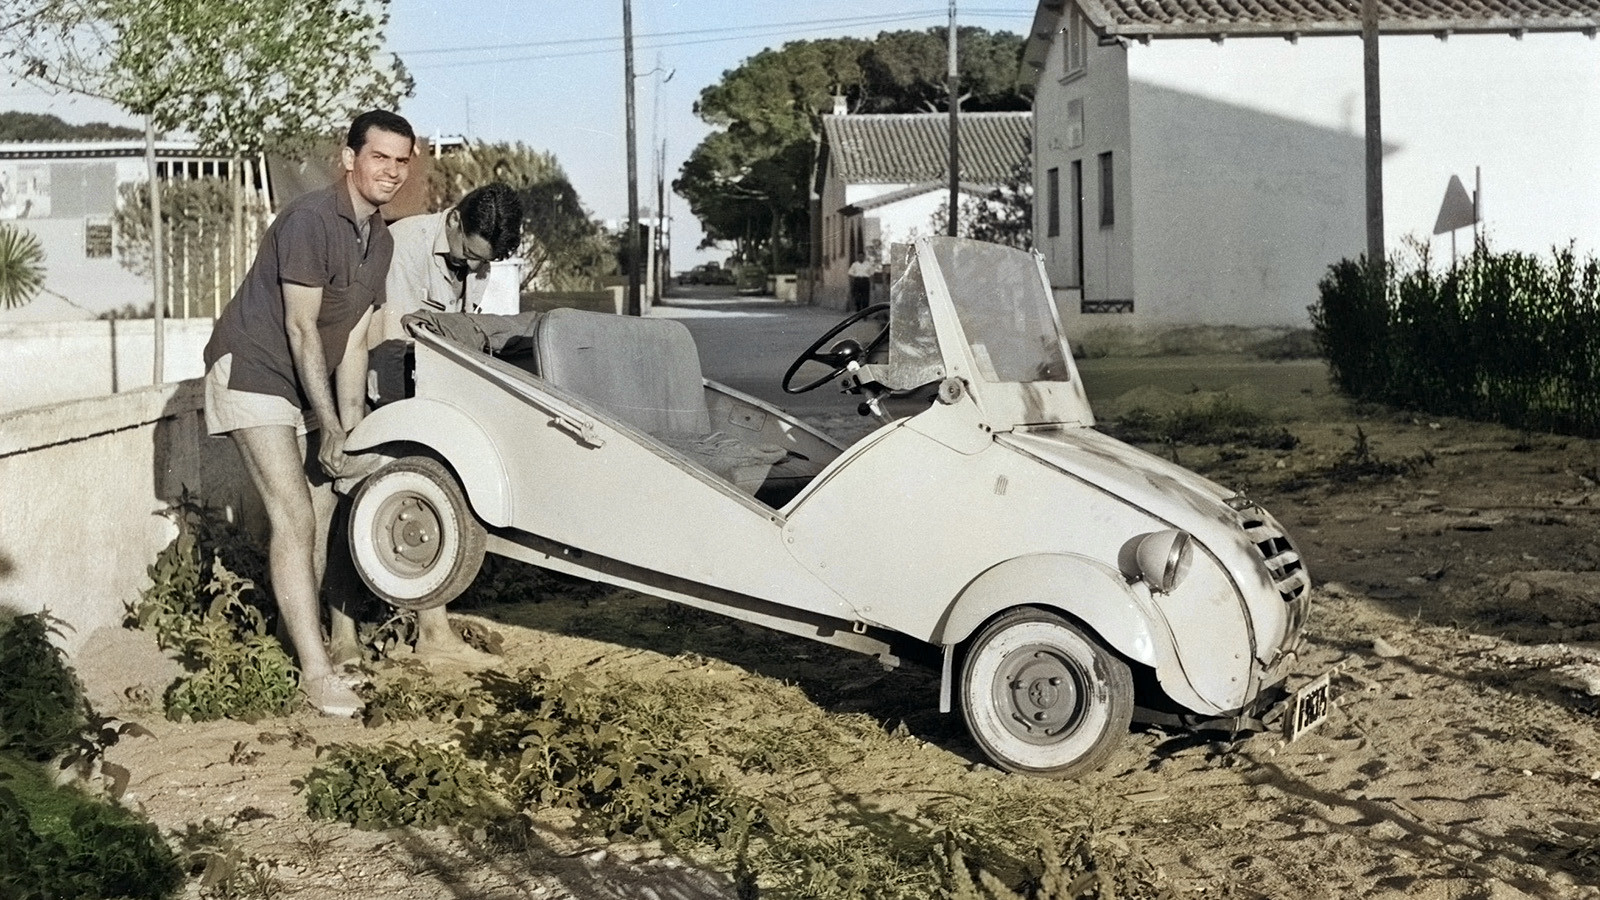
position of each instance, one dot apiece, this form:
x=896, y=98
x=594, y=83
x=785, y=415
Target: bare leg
x=273, y=456
x=437, y=640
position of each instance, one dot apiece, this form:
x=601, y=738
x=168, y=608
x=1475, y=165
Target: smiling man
x=286, y=372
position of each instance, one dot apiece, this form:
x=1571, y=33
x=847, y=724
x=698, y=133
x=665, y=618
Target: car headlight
x=1160, y=559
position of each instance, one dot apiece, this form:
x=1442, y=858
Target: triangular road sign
x=1458, y=210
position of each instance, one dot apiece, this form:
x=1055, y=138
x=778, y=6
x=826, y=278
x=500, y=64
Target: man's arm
x=301, y=306
x=350, y=378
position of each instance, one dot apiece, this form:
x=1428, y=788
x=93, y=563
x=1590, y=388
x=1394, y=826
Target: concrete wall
x=49, y=362
x=82, y=488
x=1239, y=213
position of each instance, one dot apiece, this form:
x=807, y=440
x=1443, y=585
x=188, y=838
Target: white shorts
x=229, y=410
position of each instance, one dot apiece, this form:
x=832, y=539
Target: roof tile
x=912, y=148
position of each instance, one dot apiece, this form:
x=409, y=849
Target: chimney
x=840, y=108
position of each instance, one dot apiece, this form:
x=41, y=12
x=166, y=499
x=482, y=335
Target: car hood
x=1168, y=491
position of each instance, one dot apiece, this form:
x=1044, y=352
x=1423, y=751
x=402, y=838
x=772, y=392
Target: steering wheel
x=841, y=355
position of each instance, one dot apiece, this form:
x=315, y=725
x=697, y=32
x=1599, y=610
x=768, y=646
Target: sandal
x=330, y=696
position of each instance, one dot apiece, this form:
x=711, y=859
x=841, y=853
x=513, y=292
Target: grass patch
x=1217, y=421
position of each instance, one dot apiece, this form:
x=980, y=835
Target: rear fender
x=455, y=437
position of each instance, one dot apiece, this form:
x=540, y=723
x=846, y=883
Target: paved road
x=748, y=342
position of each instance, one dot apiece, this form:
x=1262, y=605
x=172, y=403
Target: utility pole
x=952, y=85
x=635, y=252
x=1369, y=62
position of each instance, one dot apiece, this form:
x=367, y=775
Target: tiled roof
x=880, y=149
x=1145, y=19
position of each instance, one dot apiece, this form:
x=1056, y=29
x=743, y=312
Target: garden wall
x=49, y=362
x=82, y=488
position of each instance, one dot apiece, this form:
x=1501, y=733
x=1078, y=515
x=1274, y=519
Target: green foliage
x=563, y=743
x=197, y=239
x=21, y=266
x=25, y=126
x=391, y=784
x=42, y=710
x=56, y=842
x=749, y=181
x=563, y=247
x=1506, y=337
x=1002, y=216
x=219, y=625
x=238, y=76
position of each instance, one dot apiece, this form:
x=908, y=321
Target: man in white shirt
x=441, y=262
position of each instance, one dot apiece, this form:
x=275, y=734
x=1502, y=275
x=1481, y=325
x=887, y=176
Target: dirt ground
x=1457, y=592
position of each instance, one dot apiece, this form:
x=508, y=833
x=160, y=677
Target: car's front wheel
x=1042, y=697
x=414, y=539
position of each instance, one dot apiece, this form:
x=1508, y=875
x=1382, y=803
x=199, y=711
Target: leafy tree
x=563, y=247
x=749, y=182
x=1002, y=216
x=237, y=76
x=23, y=126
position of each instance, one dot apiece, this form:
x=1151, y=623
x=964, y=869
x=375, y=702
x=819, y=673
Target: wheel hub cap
x=410, y=533
x=1038, y=689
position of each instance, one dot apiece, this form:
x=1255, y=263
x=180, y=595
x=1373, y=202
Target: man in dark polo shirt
x=286, y=372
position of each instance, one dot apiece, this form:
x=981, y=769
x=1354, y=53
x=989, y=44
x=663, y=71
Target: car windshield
x=1005, y=311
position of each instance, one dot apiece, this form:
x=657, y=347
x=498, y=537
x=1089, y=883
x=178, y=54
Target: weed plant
x=220, y=626
x=42, y=710
x=679, y=763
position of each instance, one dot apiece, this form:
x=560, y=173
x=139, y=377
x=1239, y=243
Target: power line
x=753, y=32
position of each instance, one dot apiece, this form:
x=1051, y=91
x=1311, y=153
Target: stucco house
x=1156, y=207
x=65, y=193
x=882, y=179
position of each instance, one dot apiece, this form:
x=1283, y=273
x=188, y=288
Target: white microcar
x=1063, y=581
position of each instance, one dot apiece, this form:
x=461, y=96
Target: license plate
x=1309, y=707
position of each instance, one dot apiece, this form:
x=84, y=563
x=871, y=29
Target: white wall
x=49, y=362
x=1238, y=213
x=82, y=488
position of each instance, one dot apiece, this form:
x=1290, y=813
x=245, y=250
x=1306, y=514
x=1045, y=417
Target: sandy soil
x=1457, y=601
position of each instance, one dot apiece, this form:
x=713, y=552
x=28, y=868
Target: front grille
x=1284, y=566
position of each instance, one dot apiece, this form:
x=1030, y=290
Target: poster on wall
x=24, y=190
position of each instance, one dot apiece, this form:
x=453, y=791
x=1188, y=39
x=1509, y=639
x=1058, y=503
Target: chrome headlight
x=1160, y=559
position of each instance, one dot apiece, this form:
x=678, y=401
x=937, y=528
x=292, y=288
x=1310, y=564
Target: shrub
x=42, y=710
x=391, y=784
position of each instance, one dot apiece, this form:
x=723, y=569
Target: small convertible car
x=1063, y=582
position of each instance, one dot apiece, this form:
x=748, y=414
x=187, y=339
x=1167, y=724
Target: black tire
x=413, y=538
x=1042, y=697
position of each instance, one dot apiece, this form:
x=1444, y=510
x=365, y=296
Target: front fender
x=456, y=437
x=1080, y=587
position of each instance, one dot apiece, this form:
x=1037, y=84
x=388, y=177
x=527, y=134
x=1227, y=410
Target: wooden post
x=1374, y=103
x=157, y=261
x=953, y=85
x=635, y=252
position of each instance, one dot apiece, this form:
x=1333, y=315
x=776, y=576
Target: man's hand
x=330, y=450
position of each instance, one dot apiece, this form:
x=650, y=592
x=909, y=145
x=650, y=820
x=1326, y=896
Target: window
x=1076, y=58
x=97, y=239
x=1107, y=197
x=1052, y=199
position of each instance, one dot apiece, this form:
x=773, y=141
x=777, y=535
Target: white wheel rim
x=1033, y=698
x=407, y=539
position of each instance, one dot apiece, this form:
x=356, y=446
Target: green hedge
x=1506, y=337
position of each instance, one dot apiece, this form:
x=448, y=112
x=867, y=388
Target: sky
x=550, y=74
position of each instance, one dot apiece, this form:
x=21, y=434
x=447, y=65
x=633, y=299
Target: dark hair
x=381, y=119
x=494, y=213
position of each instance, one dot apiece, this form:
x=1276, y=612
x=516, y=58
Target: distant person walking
x=287, y=371
x=860, y=283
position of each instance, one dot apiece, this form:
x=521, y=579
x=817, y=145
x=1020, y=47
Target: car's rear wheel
x=414, y=539
x=1042, y=697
